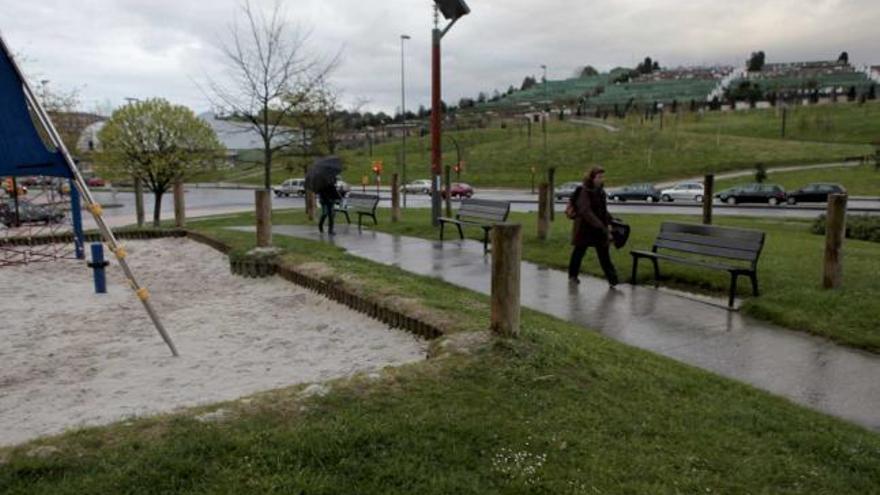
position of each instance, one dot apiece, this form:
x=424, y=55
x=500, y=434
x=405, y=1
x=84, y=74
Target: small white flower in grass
x=519, y=466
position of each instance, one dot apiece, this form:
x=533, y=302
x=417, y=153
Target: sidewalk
x=809, y=371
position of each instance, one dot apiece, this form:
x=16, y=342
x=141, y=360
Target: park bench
x=735, y=251
x=362, y=204
x=478, y=213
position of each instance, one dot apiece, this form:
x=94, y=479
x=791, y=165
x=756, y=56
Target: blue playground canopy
x=22, y=151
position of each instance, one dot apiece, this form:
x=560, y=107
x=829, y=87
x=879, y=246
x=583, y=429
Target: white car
x=686, y=191
x=291, y=187
x=417, y=187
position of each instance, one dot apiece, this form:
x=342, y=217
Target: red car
x=460, y=190
x=96, y=182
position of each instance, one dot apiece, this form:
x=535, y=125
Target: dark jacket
x=329, y=195
x=593, y=220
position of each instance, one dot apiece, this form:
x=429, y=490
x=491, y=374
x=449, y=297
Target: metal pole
x=79, y=240
x=436, y=122
x=90, y=202
x=403, y=38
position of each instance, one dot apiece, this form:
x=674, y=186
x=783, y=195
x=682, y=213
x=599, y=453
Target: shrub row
x=860, y=227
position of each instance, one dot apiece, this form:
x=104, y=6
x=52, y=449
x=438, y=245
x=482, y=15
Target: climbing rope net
x=36, y=223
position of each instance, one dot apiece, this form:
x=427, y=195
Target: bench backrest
x=483, y=210
x=704, y=240
x=363, y=202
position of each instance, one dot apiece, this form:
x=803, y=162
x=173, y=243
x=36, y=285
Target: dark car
x=771, y=194
x=460, y=190
x=814, y=193
x=565, y=191
x=96, y=182
x=29, y=213
x=635, y=192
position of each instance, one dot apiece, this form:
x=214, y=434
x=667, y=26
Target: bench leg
x=733, y=277
x=375, y=222
x=635, y=269
x=460, y=232
x=754, y=277
x=656, y=273
x=347, y=218
x=485, y=241
x=442, y=228
x=360, y=221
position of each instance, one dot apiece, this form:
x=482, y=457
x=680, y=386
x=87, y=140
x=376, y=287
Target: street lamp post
x=452, y=10
x=546, y=92
x=403, y=38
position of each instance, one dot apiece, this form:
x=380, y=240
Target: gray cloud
x=118, y=48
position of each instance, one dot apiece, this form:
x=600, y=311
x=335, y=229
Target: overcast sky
x=113, y=49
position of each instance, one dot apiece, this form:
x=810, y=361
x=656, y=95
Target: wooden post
x=506, y=258
x=708, y=196
x=139, y=201
x=264, y=217
x=551, y=179
x=179, y=204
x=448, y=179
x=395, y=198
x=544, y=205
x=311, y=205
x=835, y=231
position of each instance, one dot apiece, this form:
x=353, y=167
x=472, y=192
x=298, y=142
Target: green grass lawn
x=840, y=123
x=859, y=181
x=789, y=272
x=504, y=157
x=560, y=410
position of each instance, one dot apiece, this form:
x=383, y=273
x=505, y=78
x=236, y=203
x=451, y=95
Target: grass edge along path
x=789, y=271
x=559, y=410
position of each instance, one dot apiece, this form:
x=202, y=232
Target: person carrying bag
x=592, y=226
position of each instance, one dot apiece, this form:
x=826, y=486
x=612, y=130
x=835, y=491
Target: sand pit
x=69, y=358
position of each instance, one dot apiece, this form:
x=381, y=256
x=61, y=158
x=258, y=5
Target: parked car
x=422, y=186
x=635, y=192
x=686, y=191
x=459, y=190
x=7, y=188
x=814, y=193
x=565, y=191
x=29, y=213
x=291, y=187
x=96, y=182
x=771, y=194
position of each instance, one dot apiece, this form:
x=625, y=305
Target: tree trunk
x=157, y=208
x=139, y=201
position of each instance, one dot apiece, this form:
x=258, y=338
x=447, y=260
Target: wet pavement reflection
x=810, y=371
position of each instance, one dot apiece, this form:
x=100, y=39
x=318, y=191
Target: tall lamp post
x=546, y=92
x=452, y=10
x=403, y=38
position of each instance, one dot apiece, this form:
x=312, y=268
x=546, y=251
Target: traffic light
x=377, y=167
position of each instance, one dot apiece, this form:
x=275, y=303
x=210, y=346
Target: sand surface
x=71, y=358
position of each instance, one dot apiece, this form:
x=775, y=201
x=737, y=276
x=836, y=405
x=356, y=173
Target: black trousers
x=577, y=257
x=328, y=212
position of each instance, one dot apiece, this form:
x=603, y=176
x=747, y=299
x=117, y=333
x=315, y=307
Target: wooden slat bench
x=737, y=251
x=478, y=213
x=362, y=204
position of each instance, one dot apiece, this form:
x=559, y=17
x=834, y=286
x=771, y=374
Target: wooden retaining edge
x=92, y=237
x=376, y=310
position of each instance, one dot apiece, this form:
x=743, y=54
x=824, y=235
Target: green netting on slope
x=857, y=79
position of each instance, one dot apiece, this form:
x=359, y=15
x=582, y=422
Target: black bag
x=619, y=232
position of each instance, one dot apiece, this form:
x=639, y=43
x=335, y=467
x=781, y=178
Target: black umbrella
x=323, y=173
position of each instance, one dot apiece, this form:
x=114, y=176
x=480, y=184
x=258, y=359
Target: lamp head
x=453, y=9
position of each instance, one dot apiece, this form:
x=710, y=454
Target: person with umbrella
x=321, y=179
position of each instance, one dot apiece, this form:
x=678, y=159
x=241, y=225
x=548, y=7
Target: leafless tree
x=271, y=77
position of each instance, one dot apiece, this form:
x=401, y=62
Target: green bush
x=860, y=227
